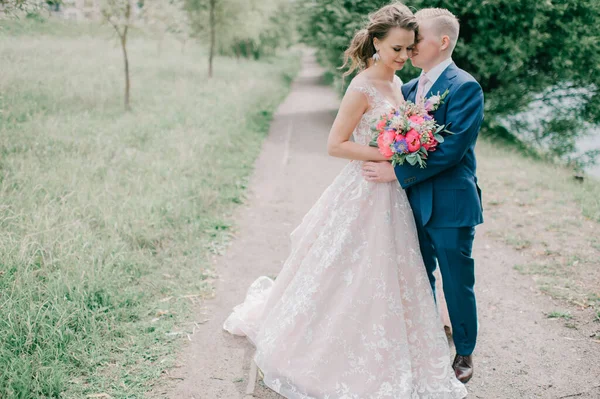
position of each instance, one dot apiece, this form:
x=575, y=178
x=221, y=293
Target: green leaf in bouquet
x=439, y=129
x=439, y=138
x=412, y=158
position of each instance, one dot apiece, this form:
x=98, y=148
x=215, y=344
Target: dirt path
x=520, y=354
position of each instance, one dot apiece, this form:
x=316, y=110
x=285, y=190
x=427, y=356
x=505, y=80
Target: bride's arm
x=354, y=104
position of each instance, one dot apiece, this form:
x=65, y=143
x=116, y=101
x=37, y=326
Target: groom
x=444, y=196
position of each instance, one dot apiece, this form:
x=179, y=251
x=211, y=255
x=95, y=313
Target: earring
x=376, y=56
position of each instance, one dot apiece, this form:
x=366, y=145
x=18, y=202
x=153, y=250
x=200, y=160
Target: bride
x=352, y=315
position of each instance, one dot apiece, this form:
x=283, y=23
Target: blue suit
x=446, y=199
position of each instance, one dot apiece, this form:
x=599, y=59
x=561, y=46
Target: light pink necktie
x=423, y=79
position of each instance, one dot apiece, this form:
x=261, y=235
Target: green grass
x=109, y=219
x=539, y=209
x=559, y=315
x=544, y=175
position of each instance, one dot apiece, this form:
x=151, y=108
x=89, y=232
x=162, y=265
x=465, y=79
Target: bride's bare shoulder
x=361, y=83
x=361, y=79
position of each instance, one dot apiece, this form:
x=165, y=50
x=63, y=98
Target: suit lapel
x=440, y=85
x=411, y=91
x=443, y=81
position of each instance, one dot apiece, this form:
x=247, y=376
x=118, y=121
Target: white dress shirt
x=434, y=74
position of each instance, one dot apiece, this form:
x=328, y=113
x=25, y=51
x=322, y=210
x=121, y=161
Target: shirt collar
x=437, y=71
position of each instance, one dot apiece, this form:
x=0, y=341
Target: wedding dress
x=351, y=314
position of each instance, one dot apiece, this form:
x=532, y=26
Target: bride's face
x=395, y=48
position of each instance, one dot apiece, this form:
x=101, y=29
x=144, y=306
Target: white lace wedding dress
x=351, y=315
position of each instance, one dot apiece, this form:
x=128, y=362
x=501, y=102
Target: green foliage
x=117, y=13
x=165, y=16
x=11, y=5
x=278, y=32
x=559, y=315
x=246, y=28
x=544, y=53
x=18, y=8
x=329, y=25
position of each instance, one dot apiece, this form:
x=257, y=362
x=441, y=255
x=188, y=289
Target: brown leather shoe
x=448, y=331
x=463, y=368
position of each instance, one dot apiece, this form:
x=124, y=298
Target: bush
x=523, y=52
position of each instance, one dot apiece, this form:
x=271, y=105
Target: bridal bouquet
x=409, y=133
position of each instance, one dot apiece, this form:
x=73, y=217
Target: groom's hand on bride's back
x=378, y=172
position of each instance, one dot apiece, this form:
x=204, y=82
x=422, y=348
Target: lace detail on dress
x=351, y=315
x=378, y=105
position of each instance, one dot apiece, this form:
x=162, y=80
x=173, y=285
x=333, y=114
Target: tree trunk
x=213, y=28
x=125, y=58
x=127, y=81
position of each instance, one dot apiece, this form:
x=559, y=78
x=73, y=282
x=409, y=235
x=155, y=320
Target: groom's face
x=427, y=50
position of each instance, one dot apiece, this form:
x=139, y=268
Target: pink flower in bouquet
x=431, y=143
x=384, y=141
x=416, y=119
x=408, y=133
x=414, y=140
x=389, y=136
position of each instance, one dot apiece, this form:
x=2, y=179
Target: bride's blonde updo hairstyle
x=396, y=15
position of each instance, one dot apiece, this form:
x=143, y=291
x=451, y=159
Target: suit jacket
x=445, y=193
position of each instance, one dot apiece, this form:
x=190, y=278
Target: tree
x=203, y=17
x=26, y=6
x=162, y=17
x=277, y=30
x=213, y=33
x=234, y=26
x=118, y=13
x=182, y=30
x=521, y=51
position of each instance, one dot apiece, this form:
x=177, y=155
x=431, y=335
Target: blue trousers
x=450, y=249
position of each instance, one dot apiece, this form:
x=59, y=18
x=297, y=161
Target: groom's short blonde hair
x=444, y=22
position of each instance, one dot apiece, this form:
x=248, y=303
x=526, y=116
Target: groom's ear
x=445, y=43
